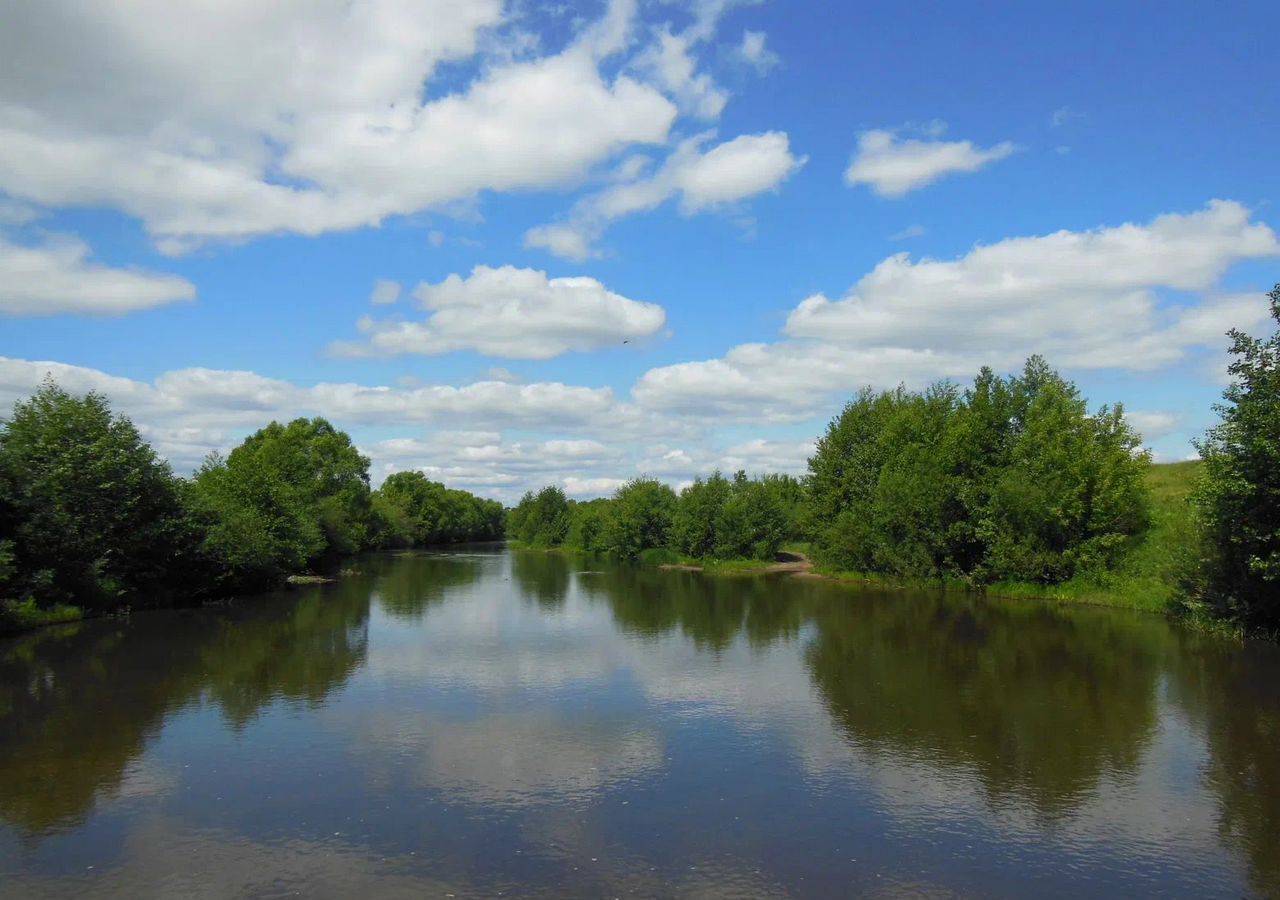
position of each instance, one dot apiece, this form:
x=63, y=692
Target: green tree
x=541, y=519
x=1239, y=496
x=693, y=527
x=1013, y=479
x=1072, y=490
x=589, y=528
x=323, y=467
x=92, y=516
x=643, y=510
x=751, y=524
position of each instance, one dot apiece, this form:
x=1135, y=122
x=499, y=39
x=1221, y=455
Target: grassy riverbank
x=1146, y=578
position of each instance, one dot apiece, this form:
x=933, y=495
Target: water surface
x=489, y=723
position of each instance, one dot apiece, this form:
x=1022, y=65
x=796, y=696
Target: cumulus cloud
x=1086, y=300
x=893, y=166
x=57, y=276
x=728, y=173
x=203, y=402
x=242, y=118
x=515, y=313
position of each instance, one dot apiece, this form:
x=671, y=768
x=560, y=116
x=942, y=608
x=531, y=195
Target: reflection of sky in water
x=503, y=733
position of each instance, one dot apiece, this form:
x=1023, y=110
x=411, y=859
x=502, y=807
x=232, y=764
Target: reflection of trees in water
x=1230, y=692
x=542, y=577
x=1038, y=703
x=78, y=704
x=712, y=612
x=408, y=584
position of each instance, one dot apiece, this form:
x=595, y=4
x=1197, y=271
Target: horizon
x=512, y=247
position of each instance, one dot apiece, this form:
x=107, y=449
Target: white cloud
x=1086, y=300
x=229, y=403
x=1152, y=424
x=384, y=292
x=591, y=487
x=728, y=173
x=515, y=313
x=57, y=277
x=894, y=167
x=669, y=62
x=242, y=118
x=753, y=51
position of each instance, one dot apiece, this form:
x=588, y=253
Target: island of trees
x=1010, y=484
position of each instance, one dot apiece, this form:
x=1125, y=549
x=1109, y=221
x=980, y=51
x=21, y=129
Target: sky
x=513, y=244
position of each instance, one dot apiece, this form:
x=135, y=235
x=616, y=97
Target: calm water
x=483, y=724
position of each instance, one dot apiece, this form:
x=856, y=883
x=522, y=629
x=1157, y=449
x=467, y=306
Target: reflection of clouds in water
x=516, y=759
x=162, y=859
x=144, y=779
x=492, y=642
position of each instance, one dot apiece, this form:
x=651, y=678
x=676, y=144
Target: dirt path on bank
x=785, y=563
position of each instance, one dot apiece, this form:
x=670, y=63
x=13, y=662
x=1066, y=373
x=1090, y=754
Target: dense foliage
x=1012, y=479
x=91, y=517
x=412, y=511
x=710, y=519
x=88, y=514
x=1240, y=493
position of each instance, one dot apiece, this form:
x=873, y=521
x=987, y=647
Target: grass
x=1147, y=576
x=22, y=615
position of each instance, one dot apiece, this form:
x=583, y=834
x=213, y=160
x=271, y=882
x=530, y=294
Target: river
x=487, y=723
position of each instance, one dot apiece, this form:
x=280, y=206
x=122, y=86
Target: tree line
x=1011, y=479
x=92, y=518
x=715, y=518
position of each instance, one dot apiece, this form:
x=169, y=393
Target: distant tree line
x=91, y=517
x=715, y=518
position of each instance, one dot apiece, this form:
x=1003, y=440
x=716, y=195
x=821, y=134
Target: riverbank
x=1145, y=579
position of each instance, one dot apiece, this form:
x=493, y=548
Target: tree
x=321, y=465
x=541, y=519
x=1239, y=496
x=642, y=513
x=414, y=511
x=752, y=523
x=589, y=528
x=693, y=526
x=1013, y=479
x=93, y=517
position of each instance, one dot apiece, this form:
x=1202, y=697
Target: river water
x=489, y=723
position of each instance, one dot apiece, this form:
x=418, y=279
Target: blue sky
x=627, y=237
